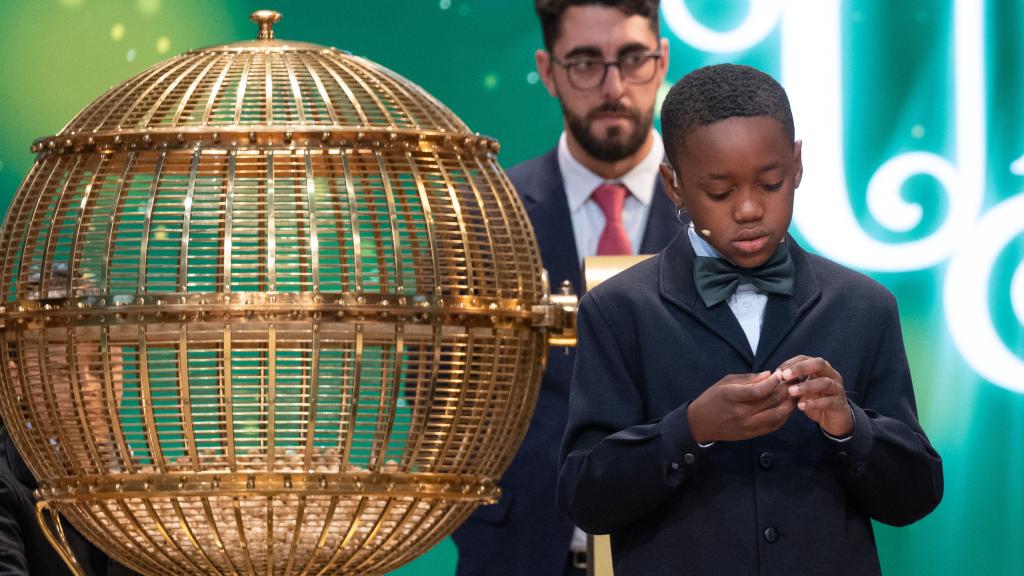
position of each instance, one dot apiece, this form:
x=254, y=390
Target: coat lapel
x=548, y=209
x=782, y=312
x=675, y=277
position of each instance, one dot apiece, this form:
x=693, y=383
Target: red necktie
x=614, y=241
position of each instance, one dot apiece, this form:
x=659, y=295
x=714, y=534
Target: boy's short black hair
x=550, y=14
x=713, y=93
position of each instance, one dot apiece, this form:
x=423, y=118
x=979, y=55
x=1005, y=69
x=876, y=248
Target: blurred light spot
x=490, y=81
x=149, y=7
x=464, y=9
x=532, y=78
x=163, y=44
x=71, y=3
x=445, y=4
x=1017, y=167
x=131, y=55
x=160, y=234
x=917, y=131
x=117, y=32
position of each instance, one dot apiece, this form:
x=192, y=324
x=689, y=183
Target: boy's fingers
x=815, y=387
x=806, y=367
x=759, y=390
x=741, y=387
x=791, y=362
x=821, y=403
x=771, y=418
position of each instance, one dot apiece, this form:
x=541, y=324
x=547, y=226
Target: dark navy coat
x=524, y=534
x=24, y=550
x=790, y=502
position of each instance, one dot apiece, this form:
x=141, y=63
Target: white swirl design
x=966, y=295
x=812, y=66
x=762, y=16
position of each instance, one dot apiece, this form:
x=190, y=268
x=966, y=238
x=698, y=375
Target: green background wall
x=929, y=90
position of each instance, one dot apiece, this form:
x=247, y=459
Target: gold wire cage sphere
x=268, y=307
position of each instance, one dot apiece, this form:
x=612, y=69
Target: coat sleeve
x=12, y=546
x=888, y=466
x=616, y=465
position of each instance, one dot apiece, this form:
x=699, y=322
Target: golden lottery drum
x=271, y=308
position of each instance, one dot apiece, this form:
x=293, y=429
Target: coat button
x=857, y=468
x=675, y=465
x=767, y=460
x=770, y=535
x=689, y=458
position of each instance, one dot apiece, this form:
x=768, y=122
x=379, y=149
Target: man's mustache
x=611, y=108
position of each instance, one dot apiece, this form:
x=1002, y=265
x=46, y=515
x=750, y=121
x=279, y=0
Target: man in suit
x=597, y=192
x=738, y=405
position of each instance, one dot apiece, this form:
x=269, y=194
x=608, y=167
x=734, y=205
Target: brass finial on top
x=266, y=20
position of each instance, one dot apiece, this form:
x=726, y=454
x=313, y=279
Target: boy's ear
x=671, y=182
x=798, y=163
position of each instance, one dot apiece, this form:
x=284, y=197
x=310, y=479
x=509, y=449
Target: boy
x=738, y=405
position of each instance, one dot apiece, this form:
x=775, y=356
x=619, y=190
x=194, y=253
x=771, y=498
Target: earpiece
x=705, y=232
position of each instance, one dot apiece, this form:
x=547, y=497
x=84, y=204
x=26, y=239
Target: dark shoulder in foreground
x=838, y=281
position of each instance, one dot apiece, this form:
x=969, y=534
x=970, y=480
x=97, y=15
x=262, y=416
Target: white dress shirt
x=587, y=217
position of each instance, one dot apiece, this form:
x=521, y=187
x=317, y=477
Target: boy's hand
x=818, y=390
x=740, y=407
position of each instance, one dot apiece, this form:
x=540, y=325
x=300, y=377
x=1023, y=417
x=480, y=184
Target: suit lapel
x=675, y=277
x=782, y=313
x=548, y=209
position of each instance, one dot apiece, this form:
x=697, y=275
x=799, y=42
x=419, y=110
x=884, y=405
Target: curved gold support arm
x=56, y=536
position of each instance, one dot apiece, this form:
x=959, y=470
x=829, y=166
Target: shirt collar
x=700, y=245
x=580, y=182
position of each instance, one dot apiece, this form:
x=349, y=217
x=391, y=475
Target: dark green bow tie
x=716, y=278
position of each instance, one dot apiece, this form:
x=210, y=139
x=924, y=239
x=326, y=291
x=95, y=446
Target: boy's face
x=736, y=178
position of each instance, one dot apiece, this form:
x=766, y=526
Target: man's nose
x=613, y=86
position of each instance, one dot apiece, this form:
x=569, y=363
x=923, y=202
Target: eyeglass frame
x=566, y=65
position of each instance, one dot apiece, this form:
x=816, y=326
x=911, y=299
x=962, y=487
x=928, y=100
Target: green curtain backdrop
x=913, y=134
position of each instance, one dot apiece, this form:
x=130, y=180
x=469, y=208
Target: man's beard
x=615, y=145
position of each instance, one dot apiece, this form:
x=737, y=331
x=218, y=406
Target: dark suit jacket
x=789, y=502
x=23, y=548
x=524, y=534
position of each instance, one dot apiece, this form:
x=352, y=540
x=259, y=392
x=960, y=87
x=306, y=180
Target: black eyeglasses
x=588, y=73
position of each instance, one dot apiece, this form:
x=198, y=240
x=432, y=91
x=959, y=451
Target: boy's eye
x=773, y=185
x=717, y=195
